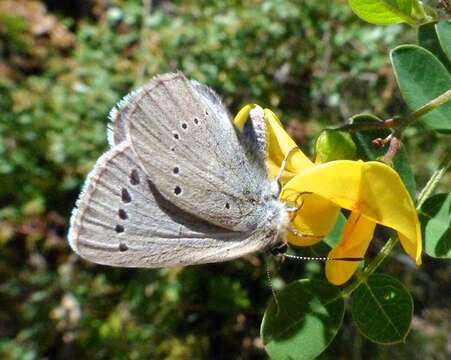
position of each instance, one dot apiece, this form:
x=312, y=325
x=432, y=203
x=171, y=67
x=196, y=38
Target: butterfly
x=179, y=184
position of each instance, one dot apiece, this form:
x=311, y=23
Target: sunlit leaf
x=308, y=316
x=422, y=77
x=444, y=36
x=435, y=217
x=383, y=12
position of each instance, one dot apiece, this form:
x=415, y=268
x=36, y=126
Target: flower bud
x=334, y=145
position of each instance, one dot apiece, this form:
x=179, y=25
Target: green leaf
x=428, y=38
x=367, y=151
x=383, y=12
x=422, y=77
x=435, y=217
x=382, y=309
x=444, y=36
x=310, y=315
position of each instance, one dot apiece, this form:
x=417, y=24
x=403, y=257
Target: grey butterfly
x=179, y=184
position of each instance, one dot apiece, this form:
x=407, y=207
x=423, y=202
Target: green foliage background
x=63, y=65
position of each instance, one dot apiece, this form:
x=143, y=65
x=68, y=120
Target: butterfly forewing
x=186, y=143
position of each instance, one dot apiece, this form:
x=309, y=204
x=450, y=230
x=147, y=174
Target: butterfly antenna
x=321, y=258
x=317, y=258
x=284, y=163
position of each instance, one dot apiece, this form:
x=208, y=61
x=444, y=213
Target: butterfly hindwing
x=123, y=220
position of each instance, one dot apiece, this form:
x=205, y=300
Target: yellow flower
x=372, y=191
x=317, y=215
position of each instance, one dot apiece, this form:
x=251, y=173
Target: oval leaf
x=444, y=36
x=435, y=217
x=367, y=151
x=308, y=317
x=383, y=12
x=428, y=38
x=382, y=309
x=422, y=77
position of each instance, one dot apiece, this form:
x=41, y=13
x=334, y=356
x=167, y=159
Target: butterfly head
x=276, y=213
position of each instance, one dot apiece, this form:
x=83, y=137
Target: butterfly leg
x=269, y=275
x=301, y=235
x=295, y=208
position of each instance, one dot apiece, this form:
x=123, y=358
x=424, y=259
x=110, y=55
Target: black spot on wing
x=134, y=177
x=122, y=214
x=125, y=196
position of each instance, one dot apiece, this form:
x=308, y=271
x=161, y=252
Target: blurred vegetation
x=63, y=65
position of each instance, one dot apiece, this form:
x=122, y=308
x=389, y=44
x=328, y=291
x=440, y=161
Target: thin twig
x=396, y=122
x=395, y=141
x=370, y=125
x=430, y=186
x=395, y=144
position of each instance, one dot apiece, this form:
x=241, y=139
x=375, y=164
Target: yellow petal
x=373, y=189
x=315, y=218
x=280, y=145
x=240, y=119
x=392, y=205
x=355, y=240
x=274, y=169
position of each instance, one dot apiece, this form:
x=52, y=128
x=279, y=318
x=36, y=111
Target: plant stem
x=373, y=265
x=431, y=105
x=433, y=182
x=379, y=259
x=420, y=11
x=395, y=141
